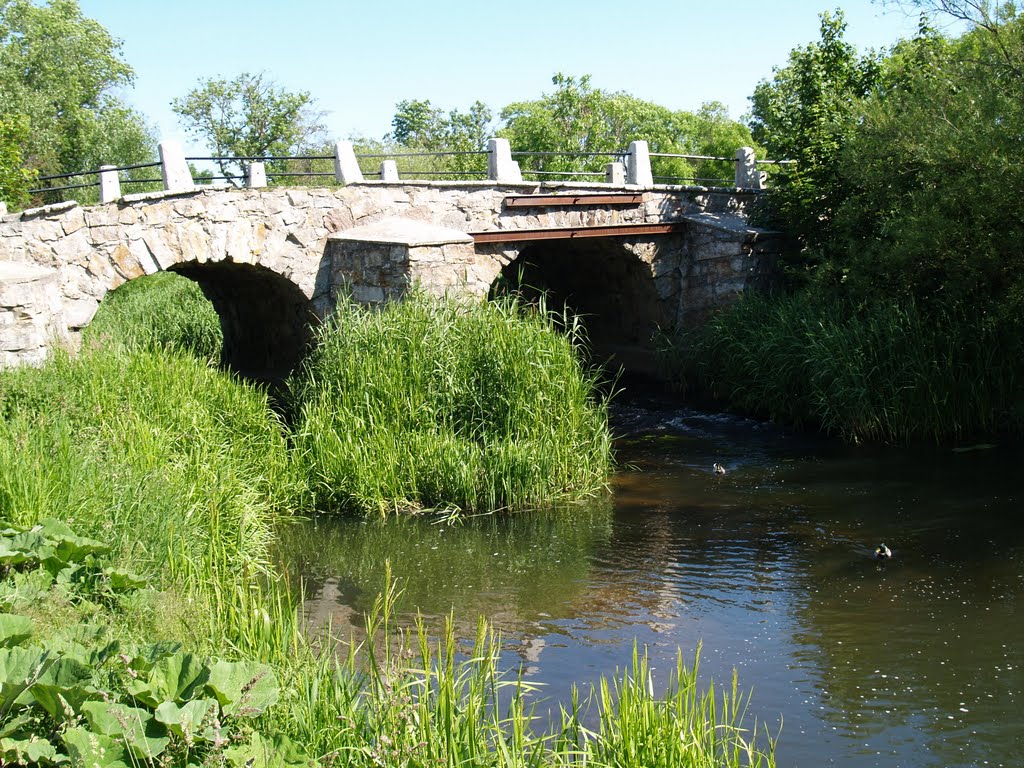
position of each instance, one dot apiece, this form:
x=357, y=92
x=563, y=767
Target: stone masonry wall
x=93, y=250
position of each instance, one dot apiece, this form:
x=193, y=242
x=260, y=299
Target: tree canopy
x=249, y=116
x=60, y=71
x=599, y=125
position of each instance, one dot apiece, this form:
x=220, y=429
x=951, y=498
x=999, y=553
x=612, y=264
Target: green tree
x=806, y=113
x=60, y=69
x=419, y=126
x=589, y=127
x=249, y=116
x=935, y=175
x=14, y=177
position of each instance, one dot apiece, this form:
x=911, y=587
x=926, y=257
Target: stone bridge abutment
x=275, y=261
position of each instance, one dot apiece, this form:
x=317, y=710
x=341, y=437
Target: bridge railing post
x=615, y=173
x=110, y=184
x=389, y=171
x=256, y=176
x=500, y=165
x=346, y=166
x=173, y=167
x=747, y=175
x=638, y=168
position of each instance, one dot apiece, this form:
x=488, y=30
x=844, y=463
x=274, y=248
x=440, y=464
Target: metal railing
x=627, y=166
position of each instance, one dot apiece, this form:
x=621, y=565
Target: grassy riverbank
x=883, y=371
x=141, y=491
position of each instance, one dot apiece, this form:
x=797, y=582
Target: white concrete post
x=638, y=169
x=615, y=173
x=500, y=165
x=346, y=167
x=3, y=208
x=747, y=175
x=110, y=184
x=389, y=171
x=256, y=176
x=173, y=167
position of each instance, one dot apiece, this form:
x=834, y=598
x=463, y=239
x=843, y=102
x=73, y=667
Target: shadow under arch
x=266, y=319
x=600, y=280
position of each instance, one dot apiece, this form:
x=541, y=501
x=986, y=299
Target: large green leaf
x=14, y=630
x=151, y=654
x=30, y=545
x=19, y=668
x=121, y=581
x=33, y=751
x=187, y=720
x=64, y=687
x=93, y=749
x=243, y=688
x=144, y=737
x=260, y=752
x=172, y=678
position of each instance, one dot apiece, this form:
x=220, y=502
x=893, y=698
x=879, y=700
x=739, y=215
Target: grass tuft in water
x=429, y=403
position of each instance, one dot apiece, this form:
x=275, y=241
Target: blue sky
x=358, y=59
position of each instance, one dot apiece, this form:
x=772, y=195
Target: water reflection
x=912, y=662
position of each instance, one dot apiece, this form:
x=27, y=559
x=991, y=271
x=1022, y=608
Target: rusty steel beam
x=537, y=201
x=575, y=233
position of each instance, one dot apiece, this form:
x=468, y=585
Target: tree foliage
x=14, y=177
x=934, y=170
x=60, y=71
x=249, y=116
x=806, y=113
x=590, y=127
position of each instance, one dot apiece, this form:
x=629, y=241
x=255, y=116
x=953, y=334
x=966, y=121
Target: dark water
x=914, y=662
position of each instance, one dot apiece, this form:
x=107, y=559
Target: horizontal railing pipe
x=632, y=166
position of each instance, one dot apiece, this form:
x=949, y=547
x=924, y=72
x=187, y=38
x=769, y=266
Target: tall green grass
x=180, y=468
x=417, y=700
x=429, y=403
x=883, y=372
x=186, y=473
x=159, y=311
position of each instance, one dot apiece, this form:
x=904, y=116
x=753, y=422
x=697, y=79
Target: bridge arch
x=610, y=284
x=267, y=321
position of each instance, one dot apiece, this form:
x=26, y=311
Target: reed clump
x=429, y=403
x=180, y=468
x=886, y=372
x=159, y=311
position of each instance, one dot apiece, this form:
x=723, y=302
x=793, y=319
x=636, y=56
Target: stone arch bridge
x=274, y=261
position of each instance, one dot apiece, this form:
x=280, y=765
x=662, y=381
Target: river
x=912, y=662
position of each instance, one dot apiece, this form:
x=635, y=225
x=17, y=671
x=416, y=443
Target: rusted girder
x=574, y=233
x=609, y=198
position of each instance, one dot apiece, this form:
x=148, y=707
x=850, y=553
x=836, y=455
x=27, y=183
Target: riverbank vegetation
x=468, y=407
x=900, y=312
x=141, y=493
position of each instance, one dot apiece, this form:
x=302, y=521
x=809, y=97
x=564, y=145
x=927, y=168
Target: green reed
x=409, y=698
x=163, y=310
x=180, y=468
x=884, y=372
x=440, y=404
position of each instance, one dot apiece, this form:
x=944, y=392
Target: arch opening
x=609, y=288
x=266, y=320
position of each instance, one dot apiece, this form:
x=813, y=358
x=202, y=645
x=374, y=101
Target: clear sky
x=358, y=59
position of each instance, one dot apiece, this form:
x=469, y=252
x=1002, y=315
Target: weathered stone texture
x=305, y=237
x=31, y=313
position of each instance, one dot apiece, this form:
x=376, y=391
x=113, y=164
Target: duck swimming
x=883, y=552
